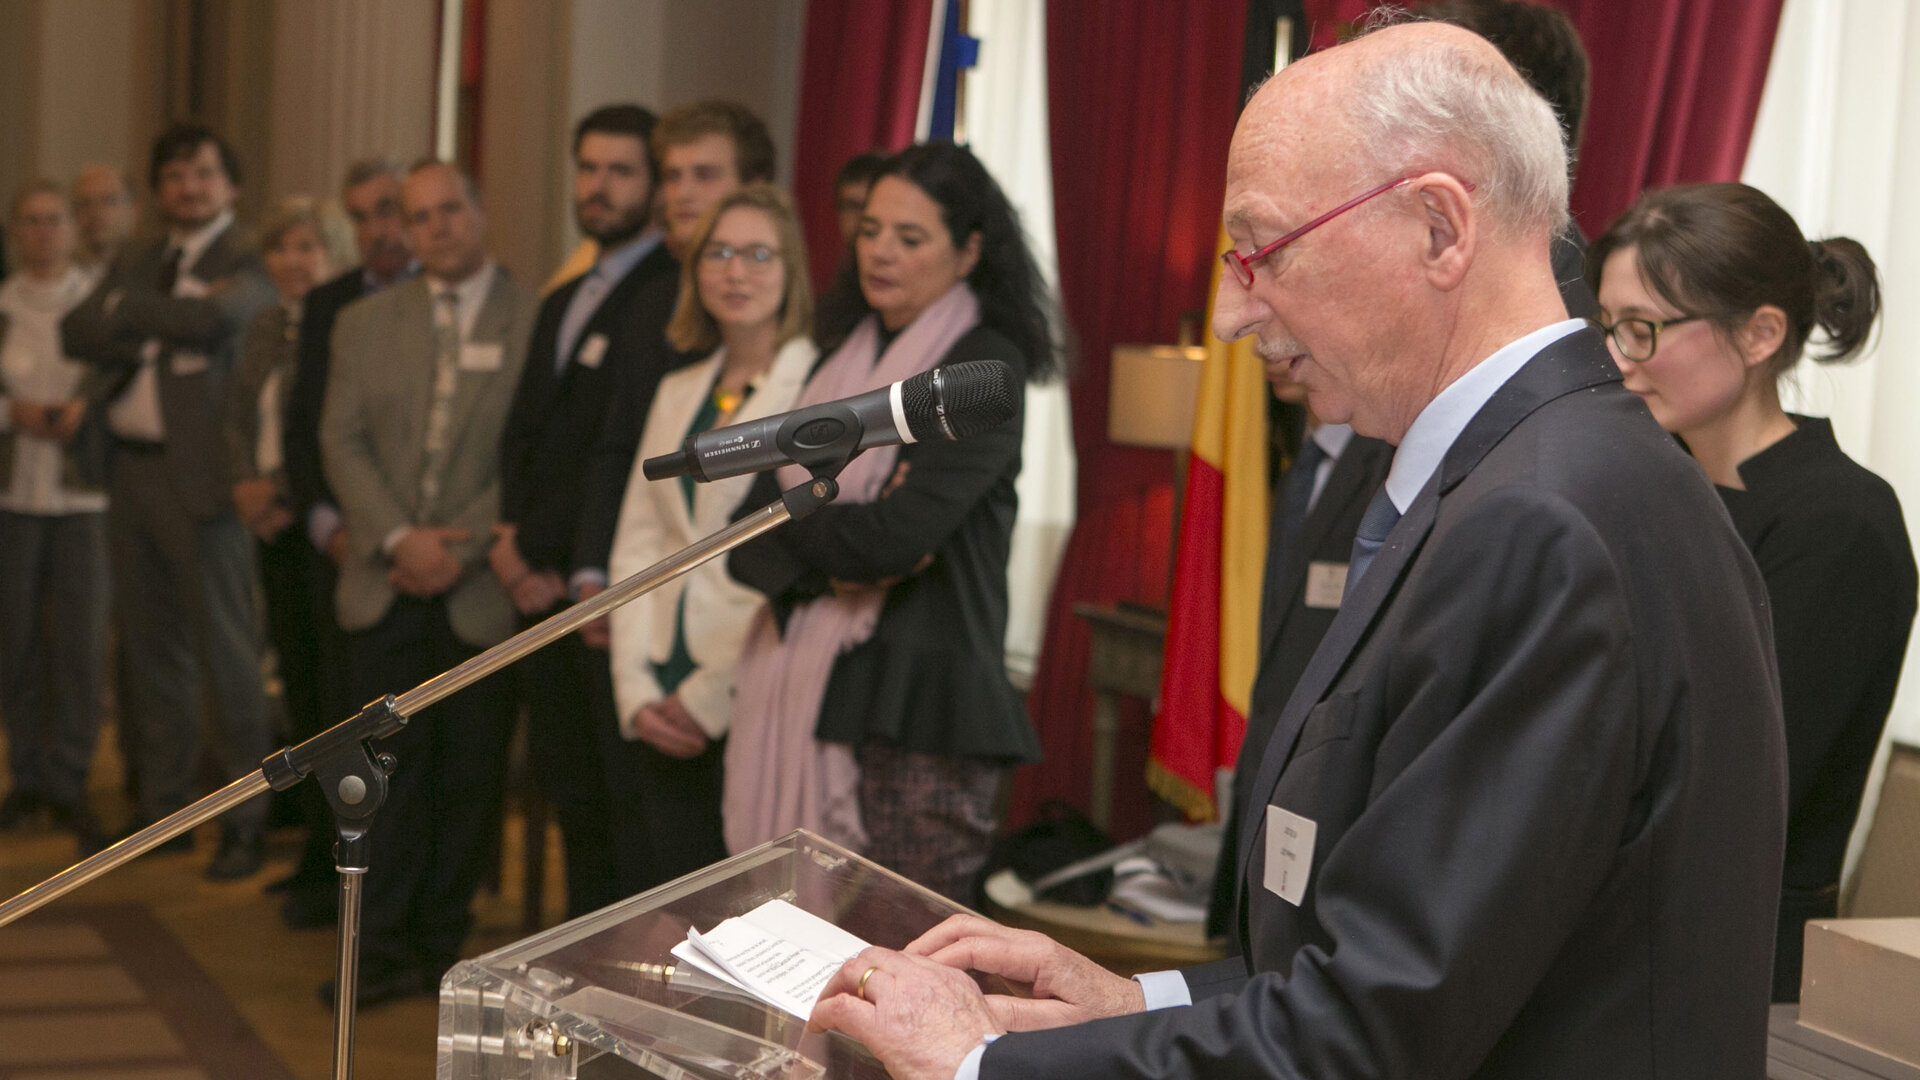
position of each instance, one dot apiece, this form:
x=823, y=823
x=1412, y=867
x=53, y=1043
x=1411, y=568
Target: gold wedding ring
x=864, y=976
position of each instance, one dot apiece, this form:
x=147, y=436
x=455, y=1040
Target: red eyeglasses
x=1242, y=265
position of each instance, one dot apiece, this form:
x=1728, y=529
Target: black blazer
x=639, y=336
x=1290, y=631
x=1834, y=552
x=1541, y=744
x=558, y=417
x=300, y=438
x=932, y=679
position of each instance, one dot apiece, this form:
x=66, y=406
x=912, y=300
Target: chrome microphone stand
x=353, y=776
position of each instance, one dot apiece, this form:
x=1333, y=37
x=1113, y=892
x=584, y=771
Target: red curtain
x=859, y=91
x=1142, y=100
x=1676, y=87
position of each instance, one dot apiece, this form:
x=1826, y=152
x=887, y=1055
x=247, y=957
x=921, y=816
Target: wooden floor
x=267, y=972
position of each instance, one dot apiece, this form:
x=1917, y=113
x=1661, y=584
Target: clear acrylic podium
x=603, y=996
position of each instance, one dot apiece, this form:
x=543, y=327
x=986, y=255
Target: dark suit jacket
x=1290, y=631
x=127, y=309
x=640, y=336
x=932, y=679
x=300, y=439
x=1541, y=745
x=557, y=419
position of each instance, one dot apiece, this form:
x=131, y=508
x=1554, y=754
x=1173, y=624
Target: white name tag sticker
x=480, y=357
x=1289, y=854
x=1326, y=584
x=593, y=350
x=188, y=363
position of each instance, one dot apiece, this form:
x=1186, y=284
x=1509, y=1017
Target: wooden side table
x=1125, y=661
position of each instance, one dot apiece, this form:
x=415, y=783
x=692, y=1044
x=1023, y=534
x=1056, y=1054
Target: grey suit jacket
x=127, y=309
x=1541, y=751
x=372, y=435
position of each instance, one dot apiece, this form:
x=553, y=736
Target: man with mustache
x=585, y=339
x=371, y=194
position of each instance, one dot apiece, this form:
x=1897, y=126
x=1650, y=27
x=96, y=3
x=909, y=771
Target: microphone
x=950, y=402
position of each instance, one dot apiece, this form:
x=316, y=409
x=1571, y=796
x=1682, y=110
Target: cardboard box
x=1861, y=983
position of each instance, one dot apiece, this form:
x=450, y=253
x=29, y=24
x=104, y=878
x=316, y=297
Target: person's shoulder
x=983, y=342
x=374, y=307
x=336, y=292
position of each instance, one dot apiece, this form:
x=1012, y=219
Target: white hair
x=1447, y=108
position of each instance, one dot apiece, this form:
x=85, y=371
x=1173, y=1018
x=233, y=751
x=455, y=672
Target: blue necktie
x=1375, y=524
x=1296, y=500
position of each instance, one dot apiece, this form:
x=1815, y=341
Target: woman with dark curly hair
x=873, y=701
x=1708, y=295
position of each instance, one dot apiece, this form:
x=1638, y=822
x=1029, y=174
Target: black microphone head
x=958, y=400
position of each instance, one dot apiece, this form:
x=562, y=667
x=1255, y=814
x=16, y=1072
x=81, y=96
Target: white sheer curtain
x=1838, y=144
x=1005, y=101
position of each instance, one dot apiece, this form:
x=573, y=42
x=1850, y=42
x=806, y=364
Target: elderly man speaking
x=1523, y=815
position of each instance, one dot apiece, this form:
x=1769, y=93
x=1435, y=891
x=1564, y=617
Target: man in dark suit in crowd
x=704, y=151
x=1316, y=513
x=581, y=342
x=1522, y=815
x=164, y=329
x=422, y=377
x=371, y=195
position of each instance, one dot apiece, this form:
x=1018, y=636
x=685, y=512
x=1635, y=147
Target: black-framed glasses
x=1638, y=338
x=757, y=256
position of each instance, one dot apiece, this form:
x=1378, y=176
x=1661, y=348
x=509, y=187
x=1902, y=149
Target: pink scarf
x=778, y=776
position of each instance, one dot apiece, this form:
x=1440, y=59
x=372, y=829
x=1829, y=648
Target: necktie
x=586, y=300
x=170, y=270
x=1375, y=525
x=446, y=366
x=1296, y=499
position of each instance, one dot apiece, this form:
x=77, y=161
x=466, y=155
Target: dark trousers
x=665, y=810
x=563, y=755
x=183, y=591
x=53, y=644
x=430, y=843
x=298, y=582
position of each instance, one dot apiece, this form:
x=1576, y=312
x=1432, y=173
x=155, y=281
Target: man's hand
x=668, y=727
x=258, y=504
x=537, y=592
x=921, y=1019
x=66, y=424
x=423, y=565
x=596, y=634
x=1067, y=988
x=504, y=556
x=336, y=548
x=29, y=418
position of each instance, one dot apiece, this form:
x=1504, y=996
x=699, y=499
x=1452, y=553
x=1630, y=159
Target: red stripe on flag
x=1194, y=720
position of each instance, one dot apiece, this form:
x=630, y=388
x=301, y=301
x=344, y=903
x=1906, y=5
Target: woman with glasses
x=1708, y=295
x=874, y=703
x=745, y=303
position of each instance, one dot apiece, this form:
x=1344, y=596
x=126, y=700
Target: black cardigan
x=932, y=679
x=1832, y=546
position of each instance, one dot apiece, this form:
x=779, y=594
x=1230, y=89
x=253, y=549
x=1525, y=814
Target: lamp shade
x=1153, y=390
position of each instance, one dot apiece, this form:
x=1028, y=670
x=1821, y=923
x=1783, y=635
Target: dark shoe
x=20, y=808
x=380, y=984
x=310, y=909
x=241, y=855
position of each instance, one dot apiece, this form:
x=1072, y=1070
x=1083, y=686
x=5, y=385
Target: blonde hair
x=692, y=328
x=329, y=226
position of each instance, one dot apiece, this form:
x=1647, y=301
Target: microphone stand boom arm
x=353, y=776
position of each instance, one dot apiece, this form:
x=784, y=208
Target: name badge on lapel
x=593, y=350
x=1326, y=583
x=187, y=363
x=1289, y=854
x=480, y=357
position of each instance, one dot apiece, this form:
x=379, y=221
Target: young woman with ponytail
x=1709, y=295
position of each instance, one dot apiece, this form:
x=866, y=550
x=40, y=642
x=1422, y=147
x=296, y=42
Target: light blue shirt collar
x=614, y=265
x=1447, y=415
x=1333, y=438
